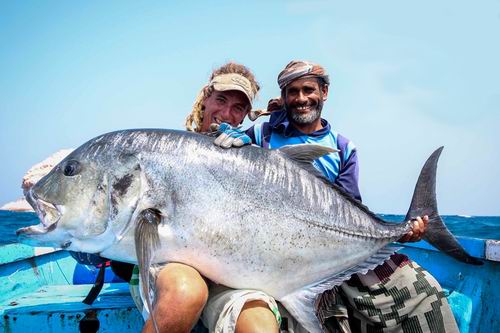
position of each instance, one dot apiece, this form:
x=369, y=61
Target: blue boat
x=41, y=290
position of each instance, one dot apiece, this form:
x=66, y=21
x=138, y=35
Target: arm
x=349, y=175
x=251, y=133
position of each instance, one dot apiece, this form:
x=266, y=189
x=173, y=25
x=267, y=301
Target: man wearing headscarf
x=398, y=295
x=296, y=118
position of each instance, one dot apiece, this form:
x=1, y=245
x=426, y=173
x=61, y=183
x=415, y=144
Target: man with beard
x=398, y=295
x=297, y=119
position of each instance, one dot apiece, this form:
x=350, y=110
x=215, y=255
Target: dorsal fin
x=305, y=154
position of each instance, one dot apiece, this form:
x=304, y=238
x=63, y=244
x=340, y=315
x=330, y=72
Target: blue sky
x=406, y=79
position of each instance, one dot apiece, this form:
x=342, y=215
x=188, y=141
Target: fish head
x=83, y=202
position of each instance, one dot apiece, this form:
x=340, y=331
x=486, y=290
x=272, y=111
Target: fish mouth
x=48, y=213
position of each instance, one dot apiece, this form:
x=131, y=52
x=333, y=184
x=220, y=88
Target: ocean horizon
x=485, y=227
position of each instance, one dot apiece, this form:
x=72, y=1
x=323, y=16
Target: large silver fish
x=245, y=218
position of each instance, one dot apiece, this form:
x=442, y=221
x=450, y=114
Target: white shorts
x=223, y=305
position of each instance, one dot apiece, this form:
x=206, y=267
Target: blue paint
x=26, y=275
x=85, y=274
x=37, y=295
x=60, y=309
x=474, y=246
x=37, y=291
x=15, y=252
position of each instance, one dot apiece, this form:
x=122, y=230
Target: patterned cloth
x=397, y=296
x=297, y=69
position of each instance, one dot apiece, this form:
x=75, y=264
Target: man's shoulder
x=258, y=128
x=344, y=145
x=343, y=141
x=259, y=133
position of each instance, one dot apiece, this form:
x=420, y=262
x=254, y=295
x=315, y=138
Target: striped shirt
x=340, y=168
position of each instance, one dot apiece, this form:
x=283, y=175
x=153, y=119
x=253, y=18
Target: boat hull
x=38, y=291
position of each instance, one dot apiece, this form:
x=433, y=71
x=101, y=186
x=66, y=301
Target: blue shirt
x=340, y=168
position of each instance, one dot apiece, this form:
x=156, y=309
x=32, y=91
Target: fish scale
x=247, y=218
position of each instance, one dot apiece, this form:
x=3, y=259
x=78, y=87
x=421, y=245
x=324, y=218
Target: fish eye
x=71, y=168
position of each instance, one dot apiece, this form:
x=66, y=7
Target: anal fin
x=303, y=304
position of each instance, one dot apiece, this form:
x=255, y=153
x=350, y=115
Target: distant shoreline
x=20, y=205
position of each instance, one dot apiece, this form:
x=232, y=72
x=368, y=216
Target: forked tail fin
x=424, y=203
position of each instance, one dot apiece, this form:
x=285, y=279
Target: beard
x=304, y=118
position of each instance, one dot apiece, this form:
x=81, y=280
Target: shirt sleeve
x=251, y=133
x=349, y=176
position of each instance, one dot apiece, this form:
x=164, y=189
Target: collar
x=279, y=123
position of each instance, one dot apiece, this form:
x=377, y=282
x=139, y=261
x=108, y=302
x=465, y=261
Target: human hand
x=231, y=137
x=418, y=229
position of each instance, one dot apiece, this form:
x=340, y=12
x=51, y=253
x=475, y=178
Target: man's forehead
x=303, y=82
x=237, y=95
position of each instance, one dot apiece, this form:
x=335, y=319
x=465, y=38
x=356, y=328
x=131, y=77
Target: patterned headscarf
x=299, y=69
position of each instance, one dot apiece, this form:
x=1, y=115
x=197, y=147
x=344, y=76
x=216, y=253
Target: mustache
x=301, y=118
x=318, y=106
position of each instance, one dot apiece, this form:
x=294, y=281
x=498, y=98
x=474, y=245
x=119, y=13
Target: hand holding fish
x=231, y=137
x=418, y=229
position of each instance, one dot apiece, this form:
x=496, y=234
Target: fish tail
x=424, y=203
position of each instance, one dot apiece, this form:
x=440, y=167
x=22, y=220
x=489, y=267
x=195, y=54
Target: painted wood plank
x=474, y=246
x=60, y=298
x=16, y=252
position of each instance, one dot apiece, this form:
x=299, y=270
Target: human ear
x=324, y=90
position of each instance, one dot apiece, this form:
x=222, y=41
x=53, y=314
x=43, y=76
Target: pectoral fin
x=147, y=241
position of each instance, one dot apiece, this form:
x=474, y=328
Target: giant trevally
x=246, y=218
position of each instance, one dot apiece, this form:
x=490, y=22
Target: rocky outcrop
x=37, y=171
x=34, y=174
x=20, y=205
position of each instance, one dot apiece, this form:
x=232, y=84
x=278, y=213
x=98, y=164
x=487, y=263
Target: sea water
x=486, y=227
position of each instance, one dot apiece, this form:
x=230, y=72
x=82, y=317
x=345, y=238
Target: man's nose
x=226, y=112
x=301, y=98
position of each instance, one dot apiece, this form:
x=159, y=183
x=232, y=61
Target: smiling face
x=304, y=100
x=229, y=106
